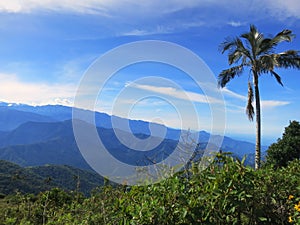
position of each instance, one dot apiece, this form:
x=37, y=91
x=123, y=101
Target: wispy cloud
x=73, y=69
x=230, y=93
x=94, y=6
x=179, y=94
x=284, y=9
x=236, y=23
x=14, y=90
x=155, y=7
x=144, y=32
x=144, y=102
x=19, y=6
x=266, y=104
x=269, y=104
x=87, y=5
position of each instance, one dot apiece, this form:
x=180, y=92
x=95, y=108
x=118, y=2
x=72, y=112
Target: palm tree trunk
x=258, y=122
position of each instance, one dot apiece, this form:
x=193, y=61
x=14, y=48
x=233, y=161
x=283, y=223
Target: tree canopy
x=286, y=148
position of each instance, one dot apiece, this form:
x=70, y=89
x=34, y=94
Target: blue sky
x=45, y=49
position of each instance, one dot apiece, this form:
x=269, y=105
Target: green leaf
x=184, y=213
x=263, y=219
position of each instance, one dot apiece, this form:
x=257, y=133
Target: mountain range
x=39, y=135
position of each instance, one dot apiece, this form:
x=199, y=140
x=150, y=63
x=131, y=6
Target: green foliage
x=226, y=192
x=294, y=207
x=41, y=178
x=286, y=148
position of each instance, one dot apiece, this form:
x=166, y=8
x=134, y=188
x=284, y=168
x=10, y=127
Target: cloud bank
x=14, y=90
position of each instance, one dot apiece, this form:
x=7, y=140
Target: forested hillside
x=33, y=180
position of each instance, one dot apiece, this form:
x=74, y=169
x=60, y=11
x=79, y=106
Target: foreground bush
x=227, y=192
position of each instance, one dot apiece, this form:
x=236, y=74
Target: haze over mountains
x=39, y=135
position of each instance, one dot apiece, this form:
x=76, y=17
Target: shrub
x=286, y=148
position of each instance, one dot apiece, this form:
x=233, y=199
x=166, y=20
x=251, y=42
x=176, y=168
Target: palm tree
x=256, y=52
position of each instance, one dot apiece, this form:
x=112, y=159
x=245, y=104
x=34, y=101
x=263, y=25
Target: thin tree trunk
x=258, y=123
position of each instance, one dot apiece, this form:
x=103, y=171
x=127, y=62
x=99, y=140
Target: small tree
x=286, y=148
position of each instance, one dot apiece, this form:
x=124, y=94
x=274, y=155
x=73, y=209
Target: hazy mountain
x=36, y=132
x=38, y=135
x=37, y=143
x=228, y=144
x=57, y=112
x=11, y=118
x=60, y=151
x=60, y=113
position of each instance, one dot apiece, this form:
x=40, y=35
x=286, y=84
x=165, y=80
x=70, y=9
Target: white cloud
x=236, y=23
x=144, y=32
x=137, y=32
x=164, y=29
x=230, y=93
x=14, y=90
x=179, y=94
x=150, y=101
x=94, y=6
x=269, y=104
x=11, y=6
x=266, y=104
x=21, y=6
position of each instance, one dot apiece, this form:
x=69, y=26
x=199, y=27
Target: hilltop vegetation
x=33, y=180
x=227, y=192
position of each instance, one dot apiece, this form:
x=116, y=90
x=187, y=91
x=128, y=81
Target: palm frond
x=228, y=44
x=285, y=35
x=234, y=56
x=278, y=78
x=289, y=59
x=249, y=107
x=266, y=63
x=236, y=50
x=243, y=49
x=265, y=47
x=251, y=34
x=253, y=38
x=268, y=44
x=226, y=75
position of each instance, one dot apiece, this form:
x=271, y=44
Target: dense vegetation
x=227, y=192
x=286, y=148
x=14, y=178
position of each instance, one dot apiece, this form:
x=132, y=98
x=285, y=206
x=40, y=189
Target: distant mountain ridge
x=39, y=143
x=61, y=113
x=12, y=118
x=35, y=135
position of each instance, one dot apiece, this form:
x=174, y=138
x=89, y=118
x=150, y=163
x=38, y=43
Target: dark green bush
x=287, y=148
